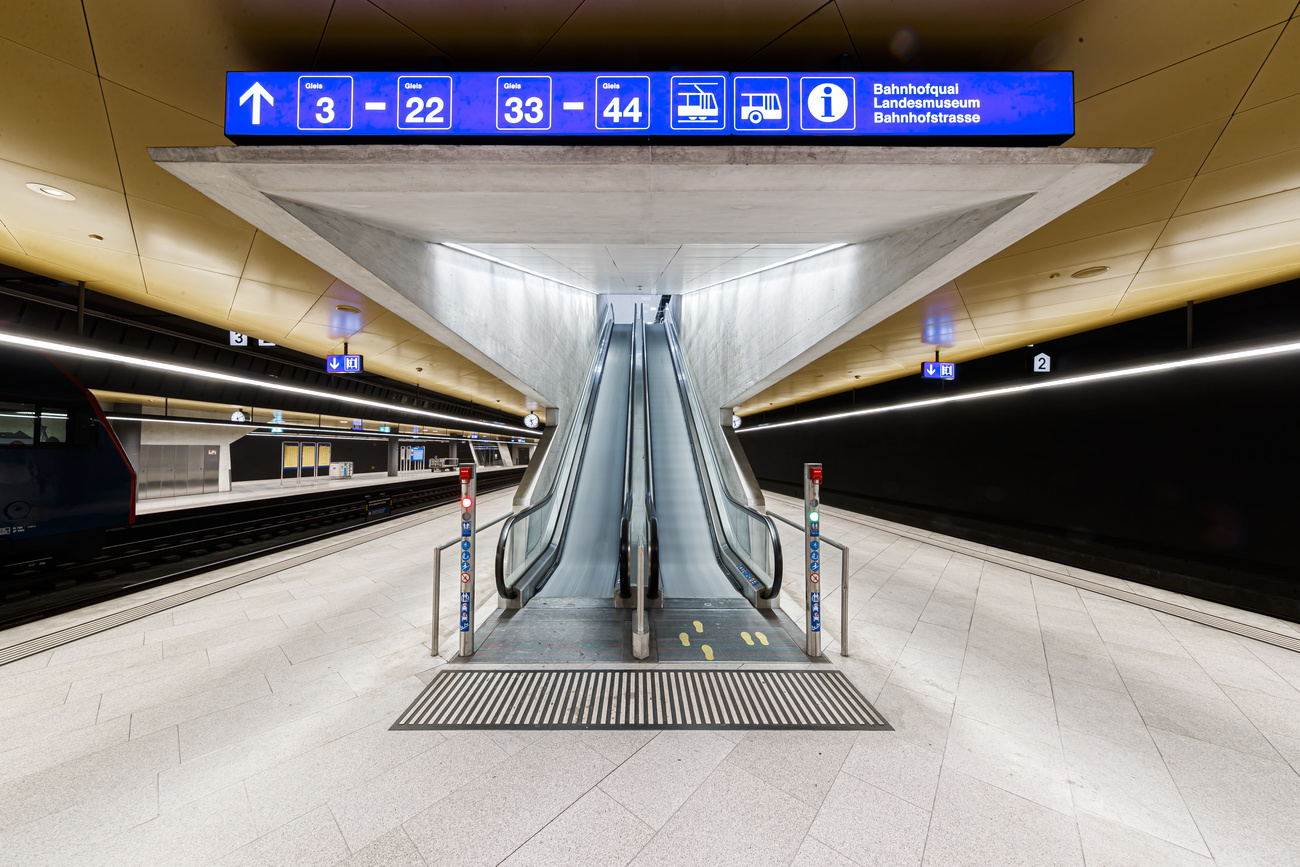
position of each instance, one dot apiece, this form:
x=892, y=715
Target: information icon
x=828, y=104
x=524, y=102
x=697, y=102
x=762, y=103
x=325, y=102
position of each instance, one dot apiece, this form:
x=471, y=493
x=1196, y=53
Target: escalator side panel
x=687, y=563
x=588, y=564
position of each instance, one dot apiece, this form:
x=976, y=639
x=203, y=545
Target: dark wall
x=1185, y=479
x=254, y=457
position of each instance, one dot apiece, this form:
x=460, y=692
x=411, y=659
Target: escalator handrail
x=652, y=516
x=625, y=521
x=774, y=537
x=579, y=430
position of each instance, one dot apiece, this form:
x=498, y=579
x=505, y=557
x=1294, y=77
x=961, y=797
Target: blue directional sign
x=933, y=105
x=939, y=370
x=344, y=364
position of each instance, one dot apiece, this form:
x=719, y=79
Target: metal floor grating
x=630, y=699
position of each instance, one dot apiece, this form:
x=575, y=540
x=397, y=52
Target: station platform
x=1038, y=715
x=264, y=489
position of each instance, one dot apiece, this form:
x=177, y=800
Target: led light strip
x=470, y=251
x=819, y=251
x=167, y=367
x=1240, y=355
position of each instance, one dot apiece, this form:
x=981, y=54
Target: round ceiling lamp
x=1095, y=271
x=52, y=192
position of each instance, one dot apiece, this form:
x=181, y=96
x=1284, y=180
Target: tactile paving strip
x=629, y=699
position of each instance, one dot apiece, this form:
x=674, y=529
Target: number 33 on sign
x=524, y=102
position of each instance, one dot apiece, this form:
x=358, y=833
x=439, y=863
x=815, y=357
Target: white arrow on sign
x=929, y=370
x=257, y=93
x=334, y=363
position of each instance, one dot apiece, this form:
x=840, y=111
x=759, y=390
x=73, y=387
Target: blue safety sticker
x=464, y=612
x=815, y=566
x=814, y=555
x=815, y=603
x=813, y=531
x=464, y=528
x=814, y=544
x=464, y=545
x=464, y=556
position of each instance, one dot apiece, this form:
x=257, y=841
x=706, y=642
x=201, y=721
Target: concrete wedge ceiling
x=371, y=213
x=1215, y=90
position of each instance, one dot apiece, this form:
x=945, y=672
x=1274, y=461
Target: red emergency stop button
x=815, y=474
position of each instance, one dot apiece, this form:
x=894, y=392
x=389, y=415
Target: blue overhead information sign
x=941, y=105
x=939, y=370
x=345, y=363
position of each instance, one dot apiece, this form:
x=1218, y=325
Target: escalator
x=639, y=466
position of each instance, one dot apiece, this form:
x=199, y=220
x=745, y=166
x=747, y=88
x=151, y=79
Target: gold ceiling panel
x=53, y=27
x=53, y=120
x=360, y=35
x=477, y=33
x=1105, y=216
x=140, y=122
x=7, y=240
x=1260, y=132
x=1110, y=43
x=254, y=299
x=178, y=52
x=187, y=239
x=89, y=259
x=269, y=261
x=97, y=211
x=1243, y=181
x=1277, y=79
x=205, y=293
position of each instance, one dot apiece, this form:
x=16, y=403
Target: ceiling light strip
x=470, y=251
x=182, y=370
x=1221, y=358
x=288, y=429
x=811, y=253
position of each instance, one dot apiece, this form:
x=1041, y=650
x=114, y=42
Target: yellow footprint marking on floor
x=748, y=640
x=686, y=640
x=699, y=627
x=708, y=652
x=762, y=639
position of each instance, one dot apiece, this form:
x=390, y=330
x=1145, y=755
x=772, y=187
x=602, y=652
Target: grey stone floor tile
x=895, y=765
x=1111, y=844
x=38, y=755
x=531, y=788
x=870, y=826
x=1244, y=672
x=719, y=825
x=73, y=834
x=869, y=678
x=1211, y=718
x=1285, y=662
x=198, y=833
x=1129, y=784
x=1105, y=713
x=617, y=746
x=1136, y=664
x=230, y=765
x=49, y=722
x=1032, y=769
x=385, y=702
x=814, y=853
x=663, y=774
x=926, y=673
x=394, y=849
x=939, y=640
x=1055, y=594
x=596, y=830
x=289, y=702
x=369, y=810
x=310, y=841
x=976, y=825
x=948, y=612
x=22, y=679
x=799, y=764
x=305, y=781
x=1009, y=707
x=96, y=645
x=139, y=674
x=1092, y=666
x=236, y=690
x=1057, y=621
x=1269, y=713
x=1244, y=806
x=19, y=705
x=918, y=718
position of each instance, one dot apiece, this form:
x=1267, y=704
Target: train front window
x=54, y=425
x=18, y=424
